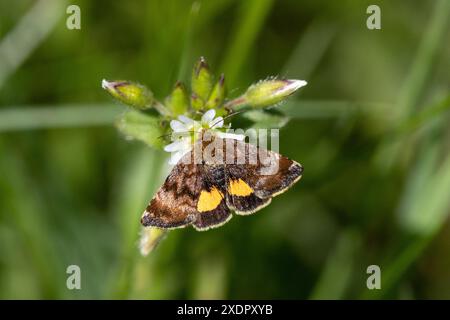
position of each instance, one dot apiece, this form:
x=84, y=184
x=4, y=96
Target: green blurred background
x=371, y=130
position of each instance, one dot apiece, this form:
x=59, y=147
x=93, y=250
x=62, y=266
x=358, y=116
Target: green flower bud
x=178, y=101
x=129, y=93
x=196, y=102
x=217, y=95
x=269, y=92
x=201, y=81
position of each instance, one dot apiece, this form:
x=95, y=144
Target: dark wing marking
x=245, y=205
x=268, y=176
x=214, y=181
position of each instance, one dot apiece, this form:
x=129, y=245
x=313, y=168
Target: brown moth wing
x=202, y=193
x=213, y=219
x=244, y=205
x=174, y=205
x=268, y=176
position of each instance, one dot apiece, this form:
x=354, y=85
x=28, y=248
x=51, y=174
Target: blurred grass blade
x=210, y=278
x=138, y=181
x=30, y=31
x=309, y=51
x=26, y=212
x=434, y=36
x=415, y=83
x=424, y=207
x=306, y=109
x=424, y=117
x=52, y=117
x=190, y=30
x=251, y=19
x=416, y=190
x=396, y=268
x=432, y=206
x=336, y=275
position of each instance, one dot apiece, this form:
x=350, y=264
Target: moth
x=217, y=177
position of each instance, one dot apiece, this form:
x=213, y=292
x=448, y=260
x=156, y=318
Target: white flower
x=185, y=131
x=209, y=121
x=178, y=148
x=229, y=135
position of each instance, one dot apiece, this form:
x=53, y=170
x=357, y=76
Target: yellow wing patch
x=209, y=200
x=239, y=188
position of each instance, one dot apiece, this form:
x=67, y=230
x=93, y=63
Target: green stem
x=161, y=108
x=236, y=104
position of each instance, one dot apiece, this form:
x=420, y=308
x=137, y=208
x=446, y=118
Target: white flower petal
x=175, y=146
x=216, y=123
x=294, y=85
x=208, y=116
x=226, y=135
x=176, y=156
x=186, y=120
x=178, y=126
x=105, y=84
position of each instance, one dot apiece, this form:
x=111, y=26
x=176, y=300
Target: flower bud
x=150, y=238
x=269, y=92
x=196, y=102
x=129, y=93
x=201, y=81
x=217, y=95
x=178, y=101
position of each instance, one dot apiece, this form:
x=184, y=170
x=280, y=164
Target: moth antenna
x=164, y=135
x=226, y=117
x=170, y=134
x=213, y=125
